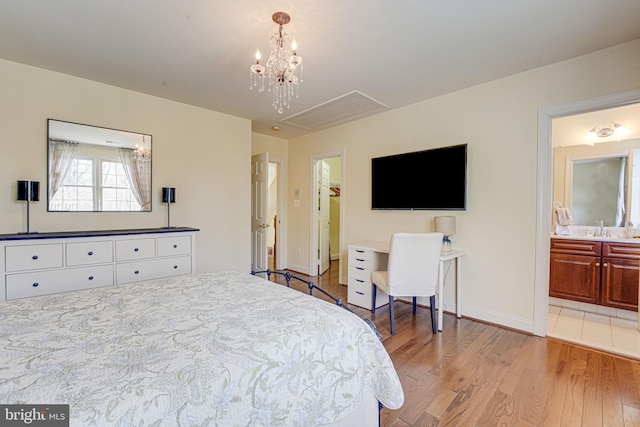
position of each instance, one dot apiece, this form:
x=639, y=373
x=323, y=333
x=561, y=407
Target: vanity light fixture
x=607, y=131
x=168, y=197
x=447, y=226
x=28, y=191
x=283, y=70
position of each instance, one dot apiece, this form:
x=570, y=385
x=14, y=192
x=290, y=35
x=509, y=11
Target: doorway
x=268, y=216
x=545, y=187
x=326, y=211
x=595, y=176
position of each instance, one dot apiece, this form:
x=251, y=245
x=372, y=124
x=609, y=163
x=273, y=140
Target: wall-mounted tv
x=433, y=179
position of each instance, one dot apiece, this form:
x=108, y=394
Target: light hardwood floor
x=475, y=374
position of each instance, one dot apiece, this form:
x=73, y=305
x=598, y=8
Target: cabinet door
x=620, y=279
x=575, y=277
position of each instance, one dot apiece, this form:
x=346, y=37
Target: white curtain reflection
x=61, y=155
x=138, y=171
x=620, y=205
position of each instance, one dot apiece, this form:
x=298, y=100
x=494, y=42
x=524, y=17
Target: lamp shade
x=28, y=190
x=168, y=195
x=445, y=225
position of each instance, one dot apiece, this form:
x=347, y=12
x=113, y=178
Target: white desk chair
x=412, y=271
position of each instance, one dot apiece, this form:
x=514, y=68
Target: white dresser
x=364, y=259
x=48, y=263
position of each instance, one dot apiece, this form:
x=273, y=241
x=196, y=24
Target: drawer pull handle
x=175, y=246
x=90, y=253
x=605, y=265
x=34, y=257
x=359, y=293
x=358, y=280
x=597, y=264
x=136, y=250
x=90, y=277
x=136, y=272
x=359, y=251
x=175, y=266
x=35, y=285
x=359, y=259
x=359, y=268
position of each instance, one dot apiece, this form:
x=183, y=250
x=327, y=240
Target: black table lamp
x=28, y=191
x=168, y=197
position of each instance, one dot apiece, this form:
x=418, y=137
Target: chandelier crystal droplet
x=283, y=70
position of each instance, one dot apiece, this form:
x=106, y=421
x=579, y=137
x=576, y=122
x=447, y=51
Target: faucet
x=600, y=232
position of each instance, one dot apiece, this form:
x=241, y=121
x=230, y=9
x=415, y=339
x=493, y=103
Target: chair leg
x=434, y=321
x=414, y=304
x=392, y=315
x=374, y=289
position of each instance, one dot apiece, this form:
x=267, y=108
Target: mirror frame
x=109, y=138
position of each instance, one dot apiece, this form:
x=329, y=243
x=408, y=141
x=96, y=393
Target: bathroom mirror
x=599, y=182
x=96, y=169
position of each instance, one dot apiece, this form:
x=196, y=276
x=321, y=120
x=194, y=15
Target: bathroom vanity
x=595, y=270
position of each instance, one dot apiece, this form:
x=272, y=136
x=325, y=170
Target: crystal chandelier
x=143, y=148
x=283, y=70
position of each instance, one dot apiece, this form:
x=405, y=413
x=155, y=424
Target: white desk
x=454, y=255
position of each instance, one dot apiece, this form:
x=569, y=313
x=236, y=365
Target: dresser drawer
x=146, y=270
x=576, y=247
x=84, y=253
x=33, y=257
x=360, y=273
x=359, y=293
x=363, y=254
x=621, y=250
x=24, y=285
x=361, y=263
x=129, y=250
x=172, y=246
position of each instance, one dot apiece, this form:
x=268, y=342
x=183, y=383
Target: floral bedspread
x=224, y=349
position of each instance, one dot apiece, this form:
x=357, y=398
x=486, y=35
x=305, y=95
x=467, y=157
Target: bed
x=224, y=349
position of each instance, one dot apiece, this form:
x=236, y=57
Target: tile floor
x=611, y=334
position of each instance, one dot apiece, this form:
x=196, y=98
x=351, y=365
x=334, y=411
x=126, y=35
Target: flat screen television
x=433, y=179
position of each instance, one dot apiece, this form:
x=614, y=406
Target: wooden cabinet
x=604, y=273
x=49, y=263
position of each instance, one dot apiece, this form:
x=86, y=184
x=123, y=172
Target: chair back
x=413, y=264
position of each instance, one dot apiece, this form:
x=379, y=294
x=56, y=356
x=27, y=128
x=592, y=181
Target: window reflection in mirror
x=97, y=169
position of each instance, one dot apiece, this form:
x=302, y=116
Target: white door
x=323, y=217
x=259, y=206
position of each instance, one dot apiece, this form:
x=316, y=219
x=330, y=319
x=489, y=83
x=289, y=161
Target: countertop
x=635, y=240
x=94, y=233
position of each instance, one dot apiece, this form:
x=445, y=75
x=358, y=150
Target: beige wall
x=499, y=122
x=204, y=154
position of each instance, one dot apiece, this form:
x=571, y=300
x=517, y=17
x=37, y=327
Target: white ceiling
x=396, y=52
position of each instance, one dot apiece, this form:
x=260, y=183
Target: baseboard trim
x=524, y=325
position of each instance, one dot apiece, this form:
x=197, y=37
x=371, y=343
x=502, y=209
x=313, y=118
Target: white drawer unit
x=50, y=263
x=128, y=250
x=146, y=270
x=363, y=260
x=175, y=245
x=33, y=257
x=24, y=285
x=84, y=253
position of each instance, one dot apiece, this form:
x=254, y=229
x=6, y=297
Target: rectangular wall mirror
x=96, y=169
x=599, y=182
